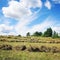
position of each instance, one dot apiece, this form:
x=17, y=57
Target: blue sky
x=22, y=16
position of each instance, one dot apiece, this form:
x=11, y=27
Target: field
x=29, y=48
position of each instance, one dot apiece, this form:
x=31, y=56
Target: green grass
x=19, y=55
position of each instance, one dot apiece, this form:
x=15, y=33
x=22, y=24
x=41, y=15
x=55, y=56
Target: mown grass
x=19, y=55
x=29, y=41
x=32, y=44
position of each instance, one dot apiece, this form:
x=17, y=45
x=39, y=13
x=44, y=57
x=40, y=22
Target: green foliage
x=48, y=32
x=19, y=35
x=37, y=33
x=28, y=34
x=55, y=35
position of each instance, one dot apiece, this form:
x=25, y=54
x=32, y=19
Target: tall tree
x=37, y=33
x=28, y=34
x=55, y=35
x=48, y=32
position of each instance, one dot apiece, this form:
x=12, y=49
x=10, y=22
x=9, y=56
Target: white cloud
x=20, y=9
x=31, y=3
x=5, y=27
x=56, y=28
x=23, y=29
x=56, y=1
x=22, y=26
x=43, y=26
x=10, y=33
x=48, y=4
x=16, y=10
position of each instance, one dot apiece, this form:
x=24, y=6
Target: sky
x=22, y=16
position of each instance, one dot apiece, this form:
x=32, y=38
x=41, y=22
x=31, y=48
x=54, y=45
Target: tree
x=40, y=33
x=37, y=33
x=48, y=32
x=28, y=34
x=19, y=35
x=55, y=35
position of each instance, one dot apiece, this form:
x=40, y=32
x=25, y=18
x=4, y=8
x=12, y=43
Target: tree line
x=48, y=33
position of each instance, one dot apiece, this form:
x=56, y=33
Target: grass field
x=7, y=42
x=19, y=55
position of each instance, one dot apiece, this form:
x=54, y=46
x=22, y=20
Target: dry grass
x=29, y=48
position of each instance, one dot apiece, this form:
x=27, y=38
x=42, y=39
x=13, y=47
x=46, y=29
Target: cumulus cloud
x=48, y=4
x=20, y=9
x=15, y=10
x=31, y=3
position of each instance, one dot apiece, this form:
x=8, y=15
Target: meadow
x=29, y=48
